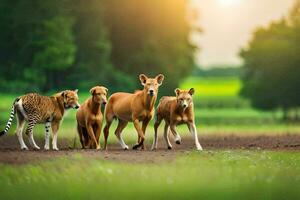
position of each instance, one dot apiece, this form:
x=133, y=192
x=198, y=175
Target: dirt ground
x=11, y=154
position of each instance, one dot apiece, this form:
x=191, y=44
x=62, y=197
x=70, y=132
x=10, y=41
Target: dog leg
x=90, y=131
x=166, y=136
x=47, y=135
x=81, y=137
x=97, y=131
x=193, y=131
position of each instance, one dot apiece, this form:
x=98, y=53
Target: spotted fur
x=37, y=109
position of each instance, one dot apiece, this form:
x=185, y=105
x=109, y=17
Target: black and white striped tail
x=8, y=124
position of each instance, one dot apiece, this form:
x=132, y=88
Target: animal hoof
x=178, y=142
x=169, y=147
x=135, y=147
x=199, y=148
x=36, y=148
x=126, y=148
x=153, y=149
x=24, y=148
x=98, y=148
x=46, y=148
x=56, y=149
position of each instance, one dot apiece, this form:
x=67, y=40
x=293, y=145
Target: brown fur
x=175, y=111
x=137, y=107
x=89, y=118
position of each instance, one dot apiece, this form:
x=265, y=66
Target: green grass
x=217, y=87
x=216, y=92
x=193, y=175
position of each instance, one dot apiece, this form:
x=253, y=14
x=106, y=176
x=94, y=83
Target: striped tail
x=8, y=124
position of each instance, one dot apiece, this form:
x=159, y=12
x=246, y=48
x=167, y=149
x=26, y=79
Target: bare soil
x=11, y=154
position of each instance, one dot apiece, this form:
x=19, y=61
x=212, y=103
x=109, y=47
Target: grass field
x=186, y=174
x=220, y=87
x=191, y=175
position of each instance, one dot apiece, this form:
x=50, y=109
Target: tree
x=151, y=37
x=38, y=43
x=57, y=44
x=272, y=65
x=93, y=64
x=56, y=50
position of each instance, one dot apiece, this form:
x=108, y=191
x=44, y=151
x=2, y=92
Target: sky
x=228, y=24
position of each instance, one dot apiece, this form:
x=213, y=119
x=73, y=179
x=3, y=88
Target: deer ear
x=143, y=78
x=63, y=93
x=192, y=91
x=160, y=78
x=177, y=91
x=76, y=90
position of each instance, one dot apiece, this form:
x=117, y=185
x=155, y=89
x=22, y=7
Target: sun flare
x=228, y=2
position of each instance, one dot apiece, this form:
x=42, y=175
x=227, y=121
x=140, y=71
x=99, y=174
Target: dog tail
x=12, y=115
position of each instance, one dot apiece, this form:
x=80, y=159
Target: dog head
x=184, y=97
x=99, y=94
x=151, y=85
x=70, y=99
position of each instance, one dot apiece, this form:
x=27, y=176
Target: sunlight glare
x=228, y=2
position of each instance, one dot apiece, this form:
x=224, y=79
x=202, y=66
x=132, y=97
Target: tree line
x=271, y=75
x=55, y=44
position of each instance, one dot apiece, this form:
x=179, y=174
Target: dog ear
x=160, y=78
x=143, y=78
x=76, y=90
x=63, y=93
x=192, y=91
x=177, y=91
x=92, y=90
x=105, y=89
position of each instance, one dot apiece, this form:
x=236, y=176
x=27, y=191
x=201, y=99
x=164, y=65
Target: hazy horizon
x=228, y=24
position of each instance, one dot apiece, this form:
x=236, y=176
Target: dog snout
x=76, y=107
x=104, y=103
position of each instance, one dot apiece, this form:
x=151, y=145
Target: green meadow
x=191, y=175
x=217, y=174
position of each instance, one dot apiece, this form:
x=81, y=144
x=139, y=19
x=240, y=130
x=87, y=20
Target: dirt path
x=10, y=153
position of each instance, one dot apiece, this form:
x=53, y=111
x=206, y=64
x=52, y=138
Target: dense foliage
x=56, y=44
x=272, y=64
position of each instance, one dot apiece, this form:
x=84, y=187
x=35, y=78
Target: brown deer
x=137, y=107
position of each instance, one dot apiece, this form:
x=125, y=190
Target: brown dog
x=175, y=111
x=89, y=118
x=136, y=108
